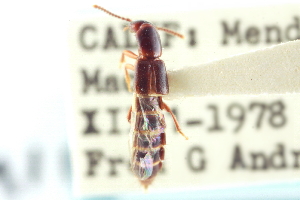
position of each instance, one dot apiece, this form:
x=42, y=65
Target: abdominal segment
x=148, y=139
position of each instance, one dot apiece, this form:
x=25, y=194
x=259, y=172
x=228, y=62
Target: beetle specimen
x=145, y=115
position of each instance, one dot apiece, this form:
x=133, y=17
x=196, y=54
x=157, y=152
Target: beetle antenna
x=112, y=14
x=170, y=32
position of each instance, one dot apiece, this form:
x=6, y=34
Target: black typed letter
x=113, y=165
x=82, y=38
x=231, y=32
x=110, y=39
x=198, y=152
x=92, y=80
x=237, y=158
x=94, y=157
x=90, y=127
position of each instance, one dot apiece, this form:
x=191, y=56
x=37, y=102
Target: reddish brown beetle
x=150, y=84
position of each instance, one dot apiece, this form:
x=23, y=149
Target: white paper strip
x=274, y=70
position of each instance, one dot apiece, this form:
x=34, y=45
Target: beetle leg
x=129, y=54
x=127, y=77
x=127, y=66
x=129, y=114
x=168, y=109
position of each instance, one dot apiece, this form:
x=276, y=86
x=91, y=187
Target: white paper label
x=236, y=139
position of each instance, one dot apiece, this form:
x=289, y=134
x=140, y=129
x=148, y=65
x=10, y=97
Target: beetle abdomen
x=148, y=138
